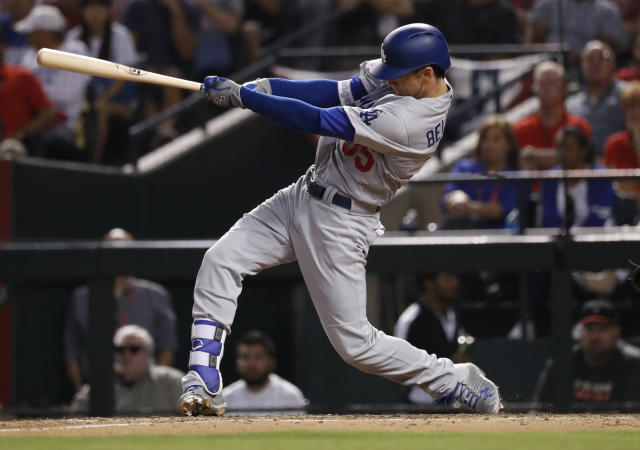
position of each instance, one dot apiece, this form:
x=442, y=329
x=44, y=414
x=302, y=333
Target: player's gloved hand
x=222, y=91
x=260, y=85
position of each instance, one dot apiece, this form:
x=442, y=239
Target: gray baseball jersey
x=394, y=137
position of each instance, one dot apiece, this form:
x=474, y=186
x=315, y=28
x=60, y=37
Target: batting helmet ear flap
x=411, y=47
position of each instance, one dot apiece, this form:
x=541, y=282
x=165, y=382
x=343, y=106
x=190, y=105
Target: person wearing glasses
x=141, y=387
x=139, y=302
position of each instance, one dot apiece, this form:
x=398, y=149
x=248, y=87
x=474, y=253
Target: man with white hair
x=141, y=386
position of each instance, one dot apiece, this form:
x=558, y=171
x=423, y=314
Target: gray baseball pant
x=330, y=244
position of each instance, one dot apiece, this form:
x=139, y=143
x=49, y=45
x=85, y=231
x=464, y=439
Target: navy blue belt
x=317, y=191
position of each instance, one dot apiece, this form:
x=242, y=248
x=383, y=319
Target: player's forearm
x=299, y=115
x=321, y=93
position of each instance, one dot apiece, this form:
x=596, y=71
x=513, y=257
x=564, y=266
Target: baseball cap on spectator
x=42, y=17
x=598, y=311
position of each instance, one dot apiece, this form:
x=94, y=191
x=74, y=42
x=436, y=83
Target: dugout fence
x=99, y=262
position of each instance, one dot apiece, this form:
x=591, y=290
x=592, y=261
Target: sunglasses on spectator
x=133, y=349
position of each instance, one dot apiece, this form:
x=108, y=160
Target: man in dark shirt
x=431, y=322
x=605, y=369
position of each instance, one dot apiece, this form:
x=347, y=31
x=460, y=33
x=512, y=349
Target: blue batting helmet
x=411, y=47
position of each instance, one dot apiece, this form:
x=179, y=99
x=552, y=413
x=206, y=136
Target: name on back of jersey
x=435, y=134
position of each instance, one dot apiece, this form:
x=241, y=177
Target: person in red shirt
x=622, y=149
x=536, y=134
x=25, y=110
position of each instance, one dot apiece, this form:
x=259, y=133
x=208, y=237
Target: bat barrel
x=56, y=59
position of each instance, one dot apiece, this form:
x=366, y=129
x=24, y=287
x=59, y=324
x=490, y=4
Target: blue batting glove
x=222, y=91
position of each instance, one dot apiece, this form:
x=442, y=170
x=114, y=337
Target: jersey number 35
x=363, y=159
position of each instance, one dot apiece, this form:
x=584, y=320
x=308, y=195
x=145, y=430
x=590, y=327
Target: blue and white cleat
x=196, y=401
x=475, y=391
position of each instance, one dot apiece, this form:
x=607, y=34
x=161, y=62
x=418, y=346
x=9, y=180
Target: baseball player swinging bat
x=56, y=59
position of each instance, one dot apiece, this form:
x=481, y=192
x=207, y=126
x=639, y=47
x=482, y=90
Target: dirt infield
x=211, y=425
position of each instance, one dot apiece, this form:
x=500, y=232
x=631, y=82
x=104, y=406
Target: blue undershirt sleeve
x=299, y=115
x=357, y=88
x=320, y=93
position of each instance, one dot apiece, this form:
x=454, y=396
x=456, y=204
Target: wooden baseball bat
x=107, y=69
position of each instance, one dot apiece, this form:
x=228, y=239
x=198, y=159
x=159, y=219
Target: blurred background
x=494, y=253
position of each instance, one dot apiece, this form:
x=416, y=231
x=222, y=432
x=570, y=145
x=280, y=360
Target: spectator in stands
x=630, y=15
x=522, y=8
x=263, y=22
x=622, y=151
x=165, y=32
x=258, y=387
x=141, y=387
x=113, y=101
x=605, y=368
x=138, y=302
x=362, y=26
x=431, y=322
x=45, y=26
x=471, y=21
x=631, y=73
x=537, y=133
x=599, y=101
x=582, y=21
x=12, y=12
x=587, y=203
x=484, y=205
x=118, y=8
x=70, y=9
x=220, y=21
x=25, y=110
